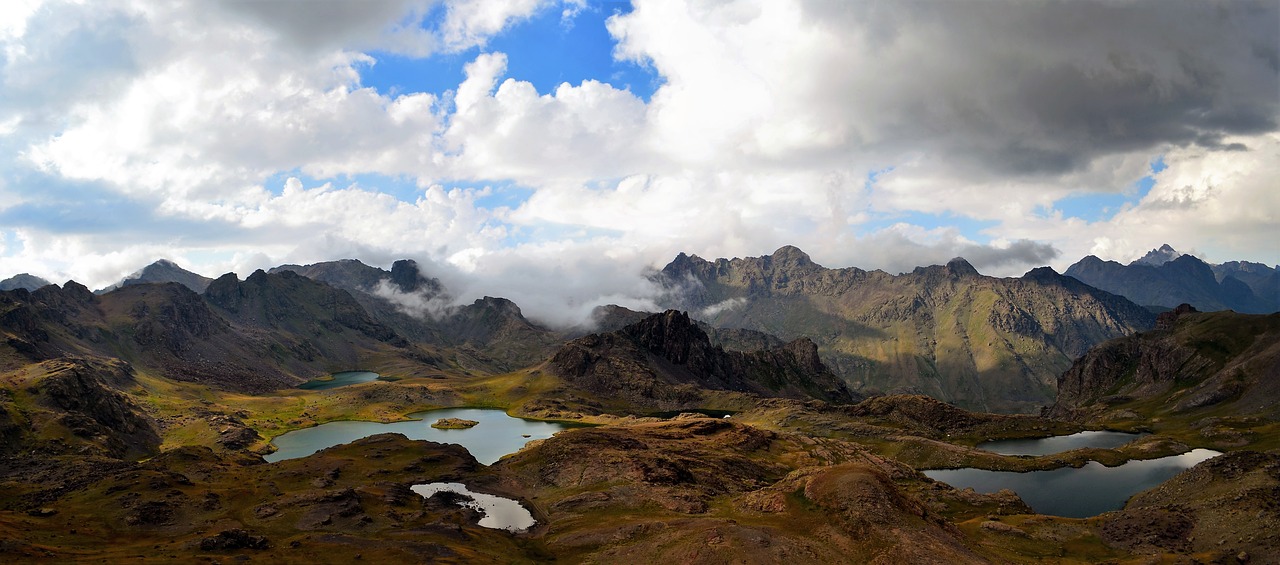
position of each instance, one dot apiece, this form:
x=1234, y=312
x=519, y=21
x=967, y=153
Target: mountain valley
x=775, y=414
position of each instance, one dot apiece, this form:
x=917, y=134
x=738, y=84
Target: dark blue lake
x=1058, y=444
x=1076, y=493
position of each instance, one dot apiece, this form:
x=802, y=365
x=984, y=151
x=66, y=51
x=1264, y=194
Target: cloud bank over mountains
x=236, y=135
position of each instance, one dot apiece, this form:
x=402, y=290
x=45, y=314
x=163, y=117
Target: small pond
x=499, y=513
x=339, y=379
x=1058, y=444
x=1076, y=493
x=496, y=435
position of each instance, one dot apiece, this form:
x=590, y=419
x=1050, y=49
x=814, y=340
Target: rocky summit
x=665, y=361
x=946, y=331
x=163, y=271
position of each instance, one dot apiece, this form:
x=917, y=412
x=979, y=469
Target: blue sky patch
x=968, y=227
x=503, y=195
x=545, y=50
x=1102, y=206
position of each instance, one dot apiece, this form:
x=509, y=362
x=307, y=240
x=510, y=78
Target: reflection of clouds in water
x=499, y=513
x=1059, y=444
x=1078, y=493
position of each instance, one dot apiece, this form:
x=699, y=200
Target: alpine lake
x=495, y=434
x=1072, y=492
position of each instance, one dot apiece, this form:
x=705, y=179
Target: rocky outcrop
x=928, y=416
x=946, y=331
x=1166, y=320
x=49, y=322
x=1197, y=360
x=678, y=482
x=665, y=360
x=83, y=396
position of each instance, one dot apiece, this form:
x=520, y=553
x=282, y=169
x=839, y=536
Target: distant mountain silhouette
x=163, y=271
x=1165, y=278
x=23, y=280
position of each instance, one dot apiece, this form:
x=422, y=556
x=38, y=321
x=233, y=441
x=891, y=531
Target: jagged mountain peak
x=955, y=268
x=954, y=320
x=653, y=361
x=1159, y=256
x=792, y=256
x=1175, y=278
x=961, y=267
x=352, y=275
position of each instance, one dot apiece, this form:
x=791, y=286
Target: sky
x=553, y=152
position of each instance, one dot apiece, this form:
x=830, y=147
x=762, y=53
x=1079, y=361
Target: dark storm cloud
x=1021, y=252
x=310, y=24
x=1046, y=87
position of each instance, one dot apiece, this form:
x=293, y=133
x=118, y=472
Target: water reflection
x=499, y=513
x=496, y=435
x=1076, y=493
x=339, y=380
x=1058, y=444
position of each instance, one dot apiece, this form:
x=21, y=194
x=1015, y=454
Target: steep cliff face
x=945, y=331
x=48, y=323
x=665, y=361
x=1202, y=362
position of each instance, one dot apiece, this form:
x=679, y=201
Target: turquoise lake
x=496, y=435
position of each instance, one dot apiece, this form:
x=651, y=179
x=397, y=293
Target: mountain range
x=487, y=335
x=139, y=416
x=265, y=332
x=1165, y=278
x=979, y=342
x=986, y=343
